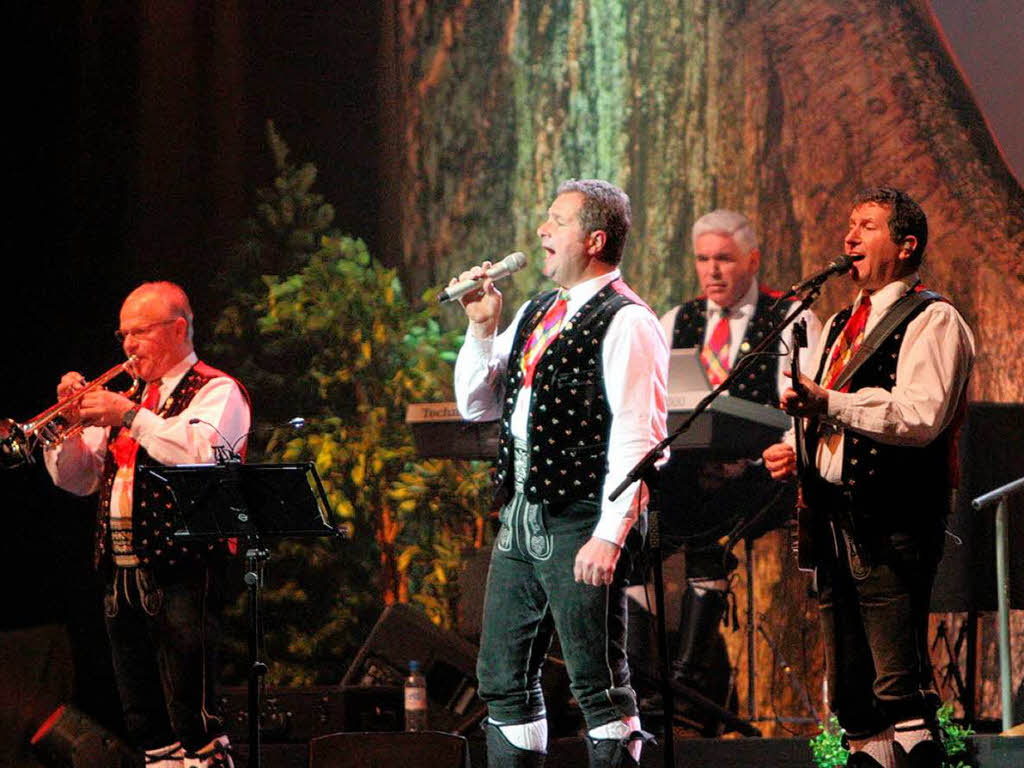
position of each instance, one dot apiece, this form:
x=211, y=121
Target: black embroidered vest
x=895, y=486
x=153, y=522
x=569, y=418
x=759, y=383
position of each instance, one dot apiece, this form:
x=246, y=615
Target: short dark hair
x=905, y=217
x=605, y=207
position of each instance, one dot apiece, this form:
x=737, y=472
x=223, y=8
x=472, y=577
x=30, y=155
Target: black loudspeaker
x=991, y=455
x=423, y=749
x=273, y=755
x=69, y=739
x=297, y=715
x=403, y=633
x=36, y=672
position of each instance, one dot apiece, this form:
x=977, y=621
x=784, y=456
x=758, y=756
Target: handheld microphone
x=511, y=263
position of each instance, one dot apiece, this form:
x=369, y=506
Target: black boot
x=925, y=754
x=702, y=662
x=862, y=760
x=501, y=753
x=609, y=753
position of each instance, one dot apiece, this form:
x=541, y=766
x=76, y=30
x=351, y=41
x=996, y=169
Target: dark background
x=136, y=143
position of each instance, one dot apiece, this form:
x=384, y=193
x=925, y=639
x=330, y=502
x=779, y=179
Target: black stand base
x=707, y=708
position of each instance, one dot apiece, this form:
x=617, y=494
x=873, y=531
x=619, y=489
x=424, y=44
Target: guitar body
x=803, y=536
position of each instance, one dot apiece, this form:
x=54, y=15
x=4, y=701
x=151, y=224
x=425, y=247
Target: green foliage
x=954, y=736
x=279, y=239
x=827, y=747
x=828, y=751
x=336, y=340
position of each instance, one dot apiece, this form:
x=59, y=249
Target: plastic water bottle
x=415, y=699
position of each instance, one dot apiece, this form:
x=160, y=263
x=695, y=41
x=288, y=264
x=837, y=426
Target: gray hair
x=728, y=224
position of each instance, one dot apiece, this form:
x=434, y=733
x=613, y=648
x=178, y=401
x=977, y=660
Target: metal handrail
x=992, y=496
x=999, y=497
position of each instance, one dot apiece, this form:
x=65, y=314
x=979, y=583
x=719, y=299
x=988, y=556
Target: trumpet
x=57, y=423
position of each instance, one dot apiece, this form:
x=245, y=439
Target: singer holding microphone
x=164, y=599
x=882, y=413
x=578, y=383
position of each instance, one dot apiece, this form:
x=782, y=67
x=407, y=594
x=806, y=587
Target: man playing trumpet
x=162, y=604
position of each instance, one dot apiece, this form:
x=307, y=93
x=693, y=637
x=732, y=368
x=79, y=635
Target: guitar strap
x=899, y=311
x=844, y=530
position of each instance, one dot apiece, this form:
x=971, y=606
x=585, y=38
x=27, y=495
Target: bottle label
x=415, y=699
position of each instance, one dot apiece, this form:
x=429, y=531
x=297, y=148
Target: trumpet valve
x=53, y=431
x=14, y=446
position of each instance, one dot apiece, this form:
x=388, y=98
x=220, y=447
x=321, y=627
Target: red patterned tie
x=542, y=336
x=125, y=450
x=715, y=354
x=852, y=336
x=124, y=446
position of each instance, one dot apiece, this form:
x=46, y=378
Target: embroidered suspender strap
x=900, y=310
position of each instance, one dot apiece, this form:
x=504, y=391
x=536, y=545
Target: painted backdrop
x=783, y=109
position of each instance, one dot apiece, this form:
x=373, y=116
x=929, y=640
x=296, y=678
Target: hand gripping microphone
x=511, y=263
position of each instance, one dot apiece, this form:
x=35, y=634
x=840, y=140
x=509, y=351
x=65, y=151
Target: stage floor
x=987, y=752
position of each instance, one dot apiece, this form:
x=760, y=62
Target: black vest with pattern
x=892, y=485
x=758, y=383
x=569, y=418
x=153, y=520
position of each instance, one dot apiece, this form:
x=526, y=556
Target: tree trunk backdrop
x=783, y=109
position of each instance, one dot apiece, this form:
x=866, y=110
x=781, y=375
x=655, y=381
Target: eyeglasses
x=141, y=331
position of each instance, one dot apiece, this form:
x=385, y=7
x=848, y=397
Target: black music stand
x=251, y=502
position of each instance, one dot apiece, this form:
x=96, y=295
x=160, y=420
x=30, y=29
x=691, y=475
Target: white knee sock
x=216, y=753
x=532, y=736
x=878, y=746
x=910, y=733
x=620, y=729
x=701, y=586
x=170, y=756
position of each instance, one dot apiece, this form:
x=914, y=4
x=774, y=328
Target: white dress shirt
x=934, y=363
x=77, y=464
x=740, y=315
x=634, y=359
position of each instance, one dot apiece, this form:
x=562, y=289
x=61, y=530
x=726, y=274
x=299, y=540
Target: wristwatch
x=129, y=417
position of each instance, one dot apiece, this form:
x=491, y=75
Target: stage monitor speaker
x=423, y=749
x=69, y=739
x=991, y=455
x=36, y=674
x=403, y=633
x=297, y=715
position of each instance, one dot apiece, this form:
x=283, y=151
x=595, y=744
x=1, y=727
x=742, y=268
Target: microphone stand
x=646, y=471
x=256, y=556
